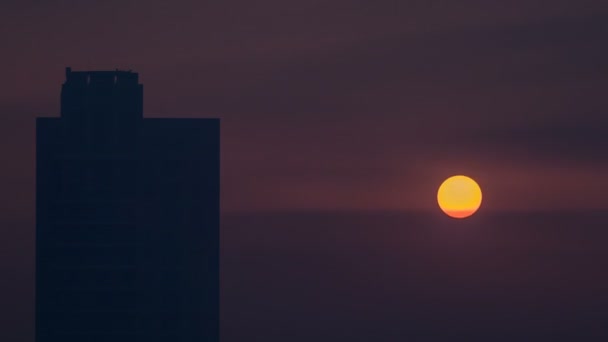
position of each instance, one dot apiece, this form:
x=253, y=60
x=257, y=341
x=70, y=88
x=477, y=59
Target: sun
x=459, y=196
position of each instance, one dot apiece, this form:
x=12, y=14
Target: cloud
x=577, y=141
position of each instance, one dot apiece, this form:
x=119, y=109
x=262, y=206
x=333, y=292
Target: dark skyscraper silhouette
x=127, y=209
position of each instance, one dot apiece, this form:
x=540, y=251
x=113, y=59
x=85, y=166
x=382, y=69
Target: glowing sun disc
x=459, y=196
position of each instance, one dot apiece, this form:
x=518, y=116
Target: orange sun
x=459, y=196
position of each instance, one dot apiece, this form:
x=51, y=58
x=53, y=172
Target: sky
x=333, y=104
x=338, y=104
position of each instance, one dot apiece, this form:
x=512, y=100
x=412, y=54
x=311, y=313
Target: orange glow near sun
x=459, y=196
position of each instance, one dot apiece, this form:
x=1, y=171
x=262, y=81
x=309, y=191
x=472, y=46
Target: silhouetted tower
x=127, y=211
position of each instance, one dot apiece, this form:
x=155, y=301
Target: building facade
x=127, y=218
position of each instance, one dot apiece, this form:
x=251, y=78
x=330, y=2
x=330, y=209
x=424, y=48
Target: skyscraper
x=127, y=211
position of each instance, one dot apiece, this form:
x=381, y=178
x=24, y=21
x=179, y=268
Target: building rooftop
x=101, y=76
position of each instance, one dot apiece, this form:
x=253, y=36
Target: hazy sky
x=338, y=104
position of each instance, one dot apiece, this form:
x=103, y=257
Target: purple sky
x=338, y=104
